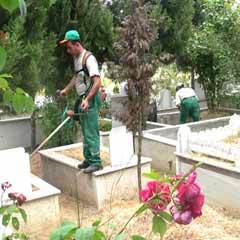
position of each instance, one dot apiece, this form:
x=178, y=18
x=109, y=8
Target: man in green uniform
x=187, y=102
x=87, y=83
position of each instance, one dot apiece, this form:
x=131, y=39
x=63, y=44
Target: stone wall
x=16, y=132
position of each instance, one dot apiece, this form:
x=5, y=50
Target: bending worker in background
x=87, y=83
x=187, y=102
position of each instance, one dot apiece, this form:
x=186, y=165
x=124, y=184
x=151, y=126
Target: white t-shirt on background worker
x=183, y=93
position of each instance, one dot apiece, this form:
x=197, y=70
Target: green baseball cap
x=70, y=35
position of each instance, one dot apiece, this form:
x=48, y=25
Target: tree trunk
x=139, y=153
x=33, y=129
x=192, y=77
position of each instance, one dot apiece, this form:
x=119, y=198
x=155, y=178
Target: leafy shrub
x=105, y=110
x=52, y=116
x=105, y=125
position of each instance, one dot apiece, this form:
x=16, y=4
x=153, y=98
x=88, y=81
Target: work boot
x=92, y=169
x=83, y=165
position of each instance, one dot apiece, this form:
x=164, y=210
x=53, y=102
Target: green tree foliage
x=5, y=15
x=213, y=48
x=174, y=21
x=30, y=49
x=119, y=9
x=176, y=28
x=167, y=77
x=16, y=98
x=10, y=5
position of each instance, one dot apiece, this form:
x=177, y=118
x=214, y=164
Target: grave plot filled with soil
x=206, y=115
x=77, y=153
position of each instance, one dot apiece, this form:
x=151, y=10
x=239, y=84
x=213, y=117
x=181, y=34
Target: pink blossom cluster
x=157, y=195
x=18, y=197
x=189, y=201
x=5, y=186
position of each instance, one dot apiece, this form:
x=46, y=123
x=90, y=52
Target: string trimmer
x=66, y=116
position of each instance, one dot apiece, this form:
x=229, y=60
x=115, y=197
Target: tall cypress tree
x=30, y=48
x=175, y=31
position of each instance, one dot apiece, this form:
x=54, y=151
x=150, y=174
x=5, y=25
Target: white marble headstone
x=165, y=100
x=124, y=88
x=119, y=105
x=199, y=91
x=234, y=121
x=15, y=168
x=121, y=146
x=183, y=139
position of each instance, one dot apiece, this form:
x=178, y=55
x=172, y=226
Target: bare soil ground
x=77, y=153
x=216, y=223
x=206, y=115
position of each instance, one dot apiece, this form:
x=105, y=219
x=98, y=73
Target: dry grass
x=234, y=139
x=216, y=223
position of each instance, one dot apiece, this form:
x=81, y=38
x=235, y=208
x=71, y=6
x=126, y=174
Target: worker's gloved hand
x=70, y=113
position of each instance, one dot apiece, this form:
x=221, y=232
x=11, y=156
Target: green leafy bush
x=52, y=116
x=105, y=125
x=105, y=110
x=18, y=101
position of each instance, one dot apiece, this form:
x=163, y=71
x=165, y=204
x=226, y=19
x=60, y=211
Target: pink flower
x=188, y=192
x=5, y=186
x=181, y=217
x=190, y=200
x=19, y=197
x=154, y=186
x=157, y=195
x=192, y=177
x=146, y=194
x=196, y=206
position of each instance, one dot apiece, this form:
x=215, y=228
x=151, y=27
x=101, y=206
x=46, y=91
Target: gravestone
x=183, y=139
x=121, y=146
x=201, y=95
x=199, y=91
x=15, y=169
x=165, y=100
x=124, y=88
x=120, y=139
x=118, y=106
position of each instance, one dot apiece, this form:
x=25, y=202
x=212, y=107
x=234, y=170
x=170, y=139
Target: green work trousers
x=90, y=129
x=189, y=107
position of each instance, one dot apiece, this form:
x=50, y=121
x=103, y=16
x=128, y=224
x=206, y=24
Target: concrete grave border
x=97, y=188
x=219, y=180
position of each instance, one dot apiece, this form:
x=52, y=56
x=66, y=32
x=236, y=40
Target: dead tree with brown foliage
x=138, y=31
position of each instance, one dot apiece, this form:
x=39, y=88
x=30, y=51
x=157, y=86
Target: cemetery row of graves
x=51, y=181
x=160, y=179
